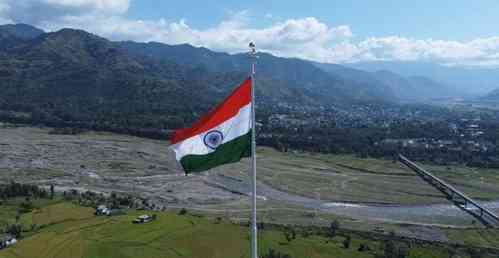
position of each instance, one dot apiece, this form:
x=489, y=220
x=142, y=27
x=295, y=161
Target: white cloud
x=475, y=52
x=307, y=38
x=106, y=6
x=4, y=10
x=43, y=11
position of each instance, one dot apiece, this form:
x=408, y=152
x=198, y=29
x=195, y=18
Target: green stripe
x=228, y=152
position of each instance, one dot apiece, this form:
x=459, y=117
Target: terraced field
x=73, y=231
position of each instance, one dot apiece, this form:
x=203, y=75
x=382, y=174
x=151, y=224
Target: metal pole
x=254, y=230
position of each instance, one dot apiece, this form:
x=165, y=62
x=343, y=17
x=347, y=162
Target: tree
x=347, y=242
x=403, y=251
x=333, y=228
x=475, y=253
x=52, y=191
x=390, y=249
x=452, y=252
x=287, y=235
x=290, y=234
x=15, y=230
x=26, y=206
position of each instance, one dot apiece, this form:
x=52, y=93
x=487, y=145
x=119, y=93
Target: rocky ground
x=101, y=162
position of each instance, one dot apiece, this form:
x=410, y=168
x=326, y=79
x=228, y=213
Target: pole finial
x=253, y=55
x=253, y=47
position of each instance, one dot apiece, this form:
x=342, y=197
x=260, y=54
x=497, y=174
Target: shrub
x=363, y=248
x=26, y=207
x=183, y=211
x=290, y=234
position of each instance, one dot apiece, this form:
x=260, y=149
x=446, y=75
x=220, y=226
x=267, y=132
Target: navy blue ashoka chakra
x=213, y=139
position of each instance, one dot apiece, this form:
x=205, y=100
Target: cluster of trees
x=14, y=189
x=443, y=156
x=113, y=201
x=87, y=198
x=275, y=254
x=346, y=140
x=367, y=142
x=28, y=191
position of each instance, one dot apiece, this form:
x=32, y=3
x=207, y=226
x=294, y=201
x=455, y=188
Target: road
x=424, y=214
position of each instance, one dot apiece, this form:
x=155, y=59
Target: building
x=102, y=210
x=7, y=240
x=143, y=219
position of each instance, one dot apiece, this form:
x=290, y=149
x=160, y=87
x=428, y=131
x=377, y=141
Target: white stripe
x=232, y=128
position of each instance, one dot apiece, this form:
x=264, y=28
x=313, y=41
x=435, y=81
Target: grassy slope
x=481, y=237
x=73, y=231
x=9, y=210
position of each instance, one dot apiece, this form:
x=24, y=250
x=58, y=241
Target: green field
x=73, y=231
x=9, y=209
x=353, y=179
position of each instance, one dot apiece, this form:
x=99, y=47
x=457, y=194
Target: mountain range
x=390, y=84
x=492, y=96
x=72, y=76
x=299, y=75
x=467, y=81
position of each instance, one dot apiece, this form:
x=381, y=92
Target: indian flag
x=222, y=136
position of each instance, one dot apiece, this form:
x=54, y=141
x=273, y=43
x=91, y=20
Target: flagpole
x=254, y=230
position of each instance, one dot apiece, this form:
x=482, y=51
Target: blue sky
x=442, y=19
x=447, y=32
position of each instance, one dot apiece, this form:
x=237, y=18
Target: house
x=7, y=240
x=143, y=219
x=102, y=210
